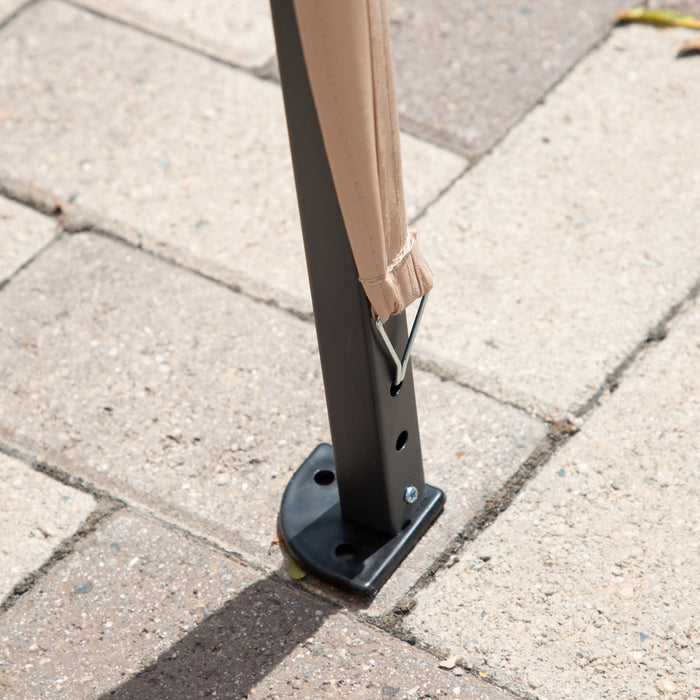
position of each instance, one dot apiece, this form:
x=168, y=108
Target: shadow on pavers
x=233, y=648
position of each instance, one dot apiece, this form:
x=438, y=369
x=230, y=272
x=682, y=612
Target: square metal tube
x=374, y=430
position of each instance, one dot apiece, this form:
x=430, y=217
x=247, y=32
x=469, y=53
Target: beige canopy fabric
x=347, y=51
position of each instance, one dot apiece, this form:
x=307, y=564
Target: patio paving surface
x=161, y=382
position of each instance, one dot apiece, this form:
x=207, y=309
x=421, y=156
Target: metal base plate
x=339, y=551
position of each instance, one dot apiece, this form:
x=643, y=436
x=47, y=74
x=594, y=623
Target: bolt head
x=410, y=495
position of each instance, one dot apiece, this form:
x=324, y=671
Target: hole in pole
x=324, y=477
x=401, y=440
x=345, y=551
x=395, y=389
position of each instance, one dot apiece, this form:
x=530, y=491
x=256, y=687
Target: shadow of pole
x=233, y=648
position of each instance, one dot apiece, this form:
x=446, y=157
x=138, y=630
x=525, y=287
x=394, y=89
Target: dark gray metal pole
x=371, y=484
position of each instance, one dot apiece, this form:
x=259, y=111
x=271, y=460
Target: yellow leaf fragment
x=295, y=571
x=692, y=48
x=659, y=17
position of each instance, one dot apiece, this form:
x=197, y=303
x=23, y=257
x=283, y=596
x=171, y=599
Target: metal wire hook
x=401, y=365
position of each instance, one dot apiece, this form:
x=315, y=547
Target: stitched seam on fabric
x=397, y=203
x=343, y=131
x=414, y=278
x=377, y=261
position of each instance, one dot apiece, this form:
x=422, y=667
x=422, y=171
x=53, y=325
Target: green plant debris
x=659, y=17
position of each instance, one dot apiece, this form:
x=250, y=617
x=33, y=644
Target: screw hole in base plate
x=346, y=552
x=324, y=477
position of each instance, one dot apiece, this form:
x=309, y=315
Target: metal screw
x=410, y=495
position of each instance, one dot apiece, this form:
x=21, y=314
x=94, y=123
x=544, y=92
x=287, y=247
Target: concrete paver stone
x=175, y=393
x=22, y=233
x=691, y=7
x=139, y=598
x=7, y=7
x=557, y=253
x=176, y=151
x=554, y=255
x=587, y=586
x=494, y=61
x=238, y=31
x=468, y=71
x=36, y=514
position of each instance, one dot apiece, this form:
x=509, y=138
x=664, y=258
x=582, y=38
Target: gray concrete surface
x=161, y=379
x=37, y=514
x=691, y=7
x=557, y=254
x=497, y=59
x=7, y=7
x=238, y=31
x=201, y=150
x=557, y=297
x=141, y=611
x=22, y=233
x=587, y=587
x=469, y=71
x=196, y=403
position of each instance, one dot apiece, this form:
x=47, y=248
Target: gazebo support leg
x=352, y=512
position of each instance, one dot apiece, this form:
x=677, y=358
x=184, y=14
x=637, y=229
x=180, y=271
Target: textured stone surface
x=555, y=255
x=126, y=595
x=137, y=597
x=155, y=381
x=238, y=31
x=587, y=587
x=157, y=385
x=7, y=7
x=344, y=660
x=691, y=7
x=22, y=233
x=36, y=514
x=175, y=150
x=467, y=71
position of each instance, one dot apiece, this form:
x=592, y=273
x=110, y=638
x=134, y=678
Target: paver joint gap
x=494, y=506
x=232, y=287
x=394, y=628
x=4, y=21
x=108, y=504
x=162, y=36
x=37, y=254
x=74, y=222
x=203, y=541
x=560, y=433
x=117, y=504
x=29, y=195
x=58, y=474
x=104, y=509
x=457, y=146
x=656, y=334
x=437, y=370
x=424, y=210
